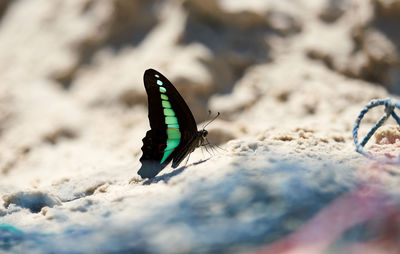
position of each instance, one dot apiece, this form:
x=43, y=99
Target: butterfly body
x=173, y=134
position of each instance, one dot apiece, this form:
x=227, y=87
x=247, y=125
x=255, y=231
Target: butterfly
x=173, y=134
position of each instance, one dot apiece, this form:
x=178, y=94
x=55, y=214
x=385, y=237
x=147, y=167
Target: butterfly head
x=202, y=137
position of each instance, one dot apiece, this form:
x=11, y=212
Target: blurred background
x=73, y=107
x=73, y=69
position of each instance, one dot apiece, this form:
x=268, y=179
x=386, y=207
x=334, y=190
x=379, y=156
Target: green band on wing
x=171, y=120
x=171, y=145
x=169, y=112
x=174, y=137
x=173, y=133
x=173, y=126
x=166, y=104
x=166, y=154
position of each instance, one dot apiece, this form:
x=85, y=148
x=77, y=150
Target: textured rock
x=34, y=201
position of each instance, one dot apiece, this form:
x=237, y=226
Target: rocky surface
x=289, y=79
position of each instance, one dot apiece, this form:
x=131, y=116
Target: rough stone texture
x=289, y=79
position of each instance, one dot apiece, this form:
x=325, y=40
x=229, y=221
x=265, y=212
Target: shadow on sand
x=166, y=177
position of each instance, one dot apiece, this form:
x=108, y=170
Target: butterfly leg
x=202, y=150
x=187, y=159
x=207, y=150
x=208, y=143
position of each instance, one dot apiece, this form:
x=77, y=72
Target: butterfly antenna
x=208, y=117
x=212, y=120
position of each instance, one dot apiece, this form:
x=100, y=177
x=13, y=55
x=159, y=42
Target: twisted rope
x=390, y=105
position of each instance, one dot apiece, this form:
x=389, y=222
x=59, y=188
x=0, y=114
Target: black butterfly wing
x=172, y=124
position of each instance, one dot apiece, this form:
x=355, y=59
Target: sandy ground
x=289, y=79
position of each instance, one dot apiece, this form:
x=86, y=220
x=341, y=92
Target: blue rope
x=390, y=105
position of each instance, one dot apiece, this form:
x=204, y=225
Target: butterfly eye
x=205, y=133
